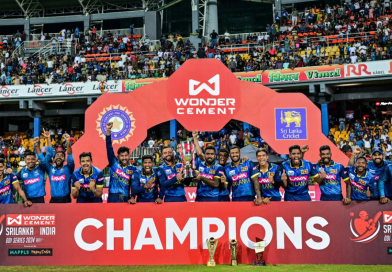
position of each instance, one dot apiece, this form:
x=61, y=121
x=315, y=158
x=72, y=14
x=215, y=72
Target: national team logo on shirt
x=291, y=124
x=129, y=172
x=304, y=172
x=361, y=181
x=212, y=171
x=364, y=229
x=333, y=171
x=243, y=169
x=123, y=123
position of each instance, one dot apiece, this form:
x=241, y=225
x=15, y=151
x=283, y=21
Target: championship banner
x=366, y=69
x=152, y=234
x=292, y=76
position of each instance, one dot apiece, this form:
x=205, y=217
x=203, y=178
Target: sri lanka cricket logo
x=291, y=117
x=365, y=230
x=123, y=123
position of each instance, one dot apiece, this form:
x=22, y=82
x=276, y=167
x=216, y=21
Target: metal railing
x=141, y=151
x=58, y=47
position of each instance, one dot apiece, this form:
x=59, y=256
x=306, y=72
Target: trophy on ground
x=211, y=244
x=259, y=249
x=233, y=249
x=187, y=150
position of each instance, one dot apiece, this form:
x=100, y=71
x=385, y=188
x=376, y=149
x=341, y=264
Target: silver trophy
x=186, y=150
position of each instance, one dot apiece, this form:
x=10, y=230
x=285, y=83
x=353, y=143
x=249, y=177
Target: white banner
x=365, y=69
x=43, y=90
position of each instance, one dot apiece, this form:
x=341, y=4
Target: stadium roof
x=41, y=8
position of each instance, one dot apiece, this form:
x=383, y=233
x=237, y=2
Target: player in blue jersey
x=330, y=175
x=385, y=185
x=209, y=175
x=58, y=173
x=362, y=182
x=121, y=170
x=269, y=176
x=145, y=183
x=170, y=177
x=33, y=176
x=8, y=184
x=295, y=175
x=377, y=166
x=87, y=181
x=243, y=178
x=222, y=157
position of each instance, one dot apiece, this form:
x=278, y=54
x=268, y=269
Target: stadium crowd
x=356, y=32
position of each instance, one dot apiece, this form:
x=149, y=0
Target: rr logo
x=214, y=80
x=361, y=68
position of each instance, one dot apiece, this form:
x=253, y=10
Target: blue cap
x=377, y=149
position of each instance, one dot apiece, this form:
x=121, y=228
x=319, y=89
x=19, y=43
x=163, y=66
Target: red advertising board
x=148, y=233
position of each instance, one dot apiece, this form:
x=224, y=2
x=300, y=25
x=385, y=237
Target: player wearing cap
x=8, y=184
x=269, y=177
x=209, y=175
x=121, y=170
x=170, y=177
x=145, y=183
x=295, y=174
x=362, y=182
x=87, y=181
x=329, y=176
x=58, y=173
x=33, y=176
x=377, y=166
x=243, y=178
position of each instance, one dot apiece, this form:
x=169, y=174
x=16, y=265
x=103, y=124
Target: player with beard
x=9, y=183
x=209, y=175
x=295, y=175
x=121, y=170
x=362, y=182
x=170, y=177
x=33, y=176
x=269, y=177
x=243, y=178
x=59, y=174
x=145, y=183
x=329, y=177
x=87, y=181
x=377, y=166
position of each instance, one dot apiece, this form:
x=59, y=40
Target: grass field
x=200, y=268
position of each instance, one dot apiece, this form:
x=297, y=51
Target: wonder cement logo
x=214, y=80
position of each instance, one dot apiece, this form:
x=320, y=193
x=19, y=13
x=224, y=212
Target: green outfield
x=200, y=268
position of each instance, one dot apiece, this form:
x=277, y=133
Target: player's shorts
x=206, y=199
x=225, y=198
x=88, y=200
x=63, y=199
x=325, y=197
x=295, y=197
x=243, y=198
x=175, y=199
x=117, y=198
x=274, y=198
x=40, y=199
x=145, y=199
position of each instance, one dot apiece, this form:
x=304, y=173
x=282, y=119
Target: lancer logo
x=364, y=229
x=214, y=80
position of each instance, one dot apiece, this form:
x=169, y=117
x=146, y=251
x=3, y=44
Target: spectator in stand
x=214, y=37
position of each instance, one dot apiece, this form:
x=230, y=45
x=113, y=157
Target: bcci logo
x=123, y=123
x=291, y=124
x=364, y=229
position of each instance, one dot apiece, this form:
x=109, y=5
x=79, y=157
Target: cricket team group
x=240, y=180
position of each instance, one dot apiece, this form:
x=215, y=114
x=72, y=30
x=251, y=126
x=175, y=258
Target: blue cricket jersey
x=385, y=183
x=240, y=178
x=268, y=189
x=6, y=189
x=120, y=177
x=377, y=172
x=297, y=178
x=331, y=185
x=84, y=180
x=359, y=184
x=139, y=179
x=60, y=179
x=33, y=180
x=209, y=172
x=168, y=179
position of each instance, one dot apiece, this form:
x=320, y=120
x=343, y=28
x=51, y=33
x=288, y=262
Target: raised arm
x=70, y=160
x=75, y=187
x=355, y=153
x=284, y=178
x=36, y=146
x=199, y=152
x=46, y=134
x=109, y=146
x=304, y=149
